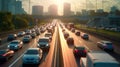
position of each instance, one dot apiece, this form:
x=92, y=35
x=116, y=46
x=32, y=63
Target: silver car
x=105, y=45
x=15, y=45
x=32, y=56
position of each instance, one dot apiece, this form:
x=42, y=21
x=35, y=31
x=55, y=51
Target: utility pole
x=86, y=5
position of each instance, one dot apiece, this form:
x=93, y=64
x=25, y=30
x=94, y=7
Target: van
x=99, y=59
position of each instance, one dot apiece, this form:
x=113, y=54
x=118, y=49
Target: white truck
x=98, y=59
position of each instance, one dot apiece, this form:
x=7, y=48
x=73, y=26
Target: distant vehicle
x=66, y=34
x=77, y=33
x=70, y=41
x=98, y=59
x=43, y=43
x=21, y=33
x=33, y=35
x=49, y=35
x=63, y=30
x=73, y=30
x=28, y=32
x=37, y=32
x=27, y=38
x=105, y=45
x=85, y=36
x=5, y=54
x=79, y=51
x=15, y=45
x=32, y=56
x=11, y=37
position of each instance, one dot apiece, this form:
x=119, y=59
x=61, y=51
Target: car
x=77, y=33
x=32, y=56
x=66, y=35
x=5, y=54
x=28, y=32
x=43, y=43
x=21, y=33
x=37, y=32
x=15, y=45
x=11, y=37
x=48, y=35
x=70, y=41
x=63, y=30
x=105, y=45
x=33, y=35
x=79, y=51
x=85, y=36
x=27, y=38
x=73, y=30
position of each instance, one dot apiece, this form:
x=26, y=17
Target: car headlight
x=8, y=46
x=16, y=46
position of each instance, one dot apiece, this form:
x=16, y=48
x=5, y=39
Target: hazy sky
x=76, y=5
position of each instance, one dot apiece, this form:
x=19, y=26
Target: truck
x=98, y=59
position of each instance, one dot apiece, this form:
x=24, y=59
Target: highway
x=61, y=51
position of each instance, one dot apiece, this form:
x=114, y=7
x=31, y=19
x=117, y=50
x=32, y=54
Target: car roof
x=16, y=41
x=106, y=41
x=79, y=47
x=44, y=38
x=33, y=48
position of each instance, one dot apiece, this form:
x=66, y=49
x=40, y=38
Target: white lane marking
x=16, y=60
x=85, y=46
x=19, y=57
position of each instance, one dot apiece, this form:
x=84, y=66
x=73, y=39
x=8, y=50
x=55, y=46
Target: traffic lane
x=18, y=62
x=47, y=59
x=20, y=52
x=94, y=39
x=89, y=44
x=5, y=44
x=68, y=56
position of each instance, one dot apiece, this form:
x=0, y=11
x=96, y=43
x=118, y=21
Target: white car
x=32, y=56
x=15, y=45
x=27, y=38
x=105, y=45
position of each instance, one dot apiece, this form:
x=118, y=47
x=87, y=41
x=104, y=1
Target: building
x=37, y=10
x=13, y=6
x=67, y=9
x=18, y=7
x=53, y=10
x=0, y=5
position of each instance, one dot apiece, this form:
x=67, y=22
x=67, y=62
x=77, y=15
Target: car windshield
x=43, y=40
x=32, y=52
x=109, y=43
x=80, y=48
x=14, y=42
x=2, y=52
x=47, y=35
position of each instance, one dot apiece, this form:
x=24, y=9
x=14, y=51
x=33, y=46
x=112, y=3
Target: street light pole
x=96, y=6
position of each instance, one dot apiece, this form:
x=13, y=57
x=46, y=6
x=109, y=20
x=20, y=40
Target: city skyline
x=76, y=6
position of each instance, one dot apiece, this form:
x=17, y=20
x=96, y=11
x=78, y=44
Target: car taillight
x=4, y=55
x=76, y=51
x=84, y=51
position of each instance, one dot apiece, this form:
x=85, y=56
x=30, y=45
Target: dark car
x=70, y=41
x=11, y=37
x=73, y=30
x=33, y=35
x=5, y=55
x=66, y=35
x=77, y=33
x=79, y=51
